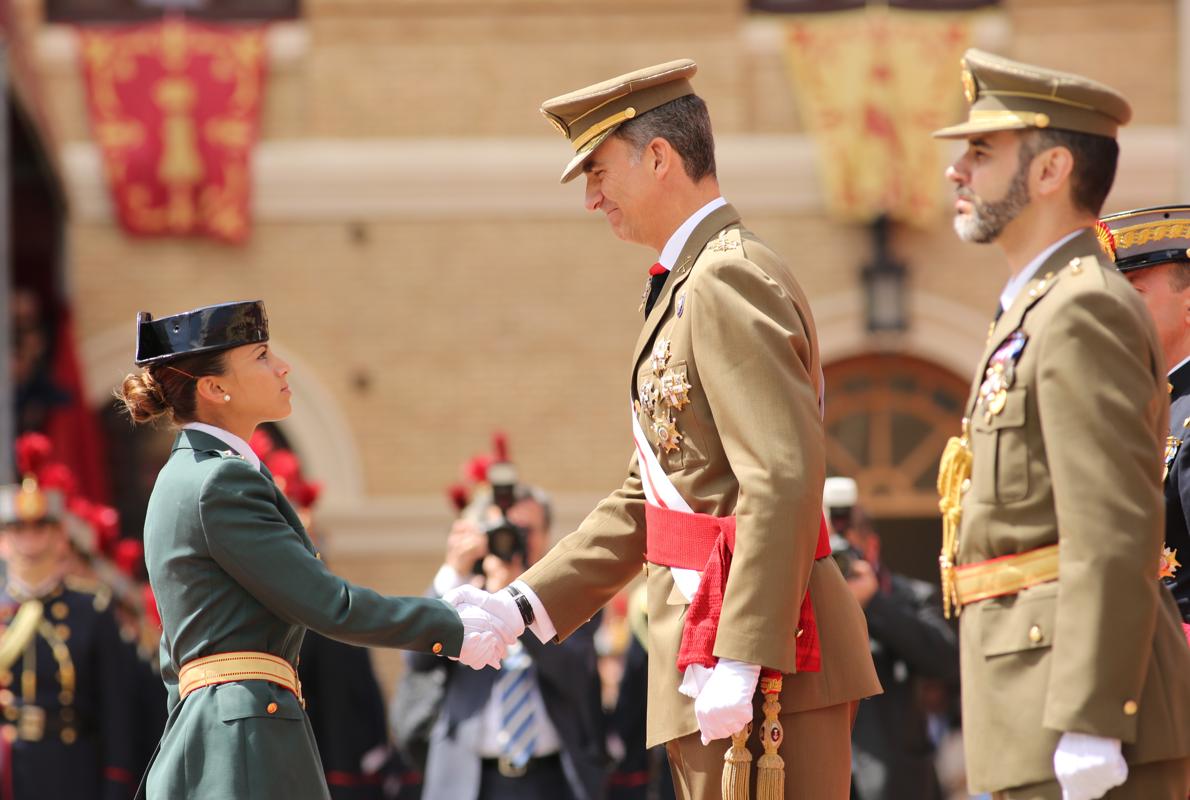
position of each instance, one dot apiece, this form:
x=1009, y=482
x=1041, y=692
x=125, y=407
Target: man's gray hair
x=685, y=124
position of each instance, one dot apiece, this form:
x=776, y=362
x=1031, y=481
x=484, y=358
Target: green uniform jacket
x=1073, y=458
x=233, y=569
x=734, y=326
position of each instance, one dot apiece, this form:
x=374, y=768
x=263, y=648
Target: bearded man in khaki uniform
x=1075, y=673
x=722, y=502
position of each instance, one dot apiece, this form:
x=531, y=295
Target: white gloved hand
x=500, y=606
x=1088, y=766
x=481, y=650
x=724, y=706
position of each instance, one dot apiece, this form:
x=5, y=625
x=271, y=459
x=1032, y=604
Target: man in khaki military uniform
x=1075, y=672
x=722, y=502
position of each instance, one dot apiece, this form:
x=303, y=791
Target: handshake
x=491, y=622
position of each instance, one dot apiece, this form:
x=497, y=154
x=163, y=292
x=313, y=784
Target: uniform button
x=1130, y=708
x=271, y=708
x=1035, y=635
x=437, y=648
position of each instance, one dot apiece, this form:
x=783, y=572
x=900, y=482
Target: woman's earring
x=227, y=398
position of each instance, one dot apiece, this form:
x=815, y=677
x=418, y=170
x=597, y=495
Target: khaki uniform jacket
x=233, y=569
x=1073, y=458
x=739, y=332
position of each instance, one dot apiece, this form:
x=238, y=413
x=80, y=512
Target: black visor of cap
x=1152, y=259
x=202, y=330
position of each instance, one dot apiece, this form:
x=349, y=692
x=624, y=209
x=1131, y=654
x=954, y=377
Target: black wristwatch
x=523, y=605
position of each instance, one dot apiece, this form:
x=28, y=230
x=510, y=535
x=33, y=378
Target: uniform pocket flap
x=1019, y=623
x=245, y=699
x=1012, y=415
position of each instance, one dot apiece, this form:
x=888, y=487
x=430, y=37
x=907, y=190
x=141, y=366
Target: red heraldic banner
x=175, y=108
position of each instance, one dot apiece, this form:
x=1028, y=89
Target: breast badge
x=1169, y=563
x=1001, y=374
x=1172, y=445
x=662, y=395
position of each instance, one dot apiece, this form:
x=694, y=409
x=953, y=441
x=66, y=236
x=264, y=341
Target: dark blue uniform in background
x=66, y=700
x=1177, y=486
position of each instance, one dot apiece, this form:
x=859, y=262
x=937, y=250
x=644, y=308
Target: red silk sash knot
x=705, y=543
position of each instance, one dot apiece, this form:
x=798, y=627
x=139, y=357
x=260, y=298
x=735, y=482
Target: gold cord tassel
x=737, y=766
x=954, y=472
x=770, y=769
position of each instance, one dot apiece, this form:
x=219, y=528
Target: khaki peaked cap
x=589, y=115
x=1007, y=95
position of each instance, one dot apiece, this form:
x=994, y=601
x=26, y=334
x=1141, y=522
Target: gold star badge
x=667, y=435
x=1169, y=563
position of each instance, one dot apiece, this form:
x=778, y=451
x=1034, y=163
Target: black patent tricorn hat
x=202, y=330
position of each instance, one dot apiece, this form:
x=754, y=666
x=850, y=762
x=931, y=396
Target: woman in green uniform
x=236, y=577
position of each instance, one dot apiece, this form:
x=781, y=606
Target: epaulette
x=101, y=594
x=727, y=241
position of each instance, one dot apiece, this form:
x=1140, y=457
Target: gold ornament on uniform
x=970, y=90
x=1169, y=563
x=737, y=766
x=667, y=434
x=770, y=769
x=675, y=390
x=954, y=478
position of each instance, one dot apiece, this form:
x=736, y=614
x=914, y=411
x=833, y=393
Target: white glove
x=481, y=650
x=485, y=639
x=501, y=606
x=724, y=706
x=1088, y=766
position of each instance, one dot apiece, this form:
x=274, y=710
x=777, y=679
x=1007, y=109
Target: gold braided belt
x=238, y=666
x=1005, y=575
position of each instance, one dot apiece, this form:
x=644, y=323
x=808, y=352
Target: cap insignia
x=970, y=89
x=1107, y=241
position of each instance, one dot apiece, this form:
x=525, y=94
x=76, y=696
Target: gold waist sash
x=238, y=666
x=1005, y=575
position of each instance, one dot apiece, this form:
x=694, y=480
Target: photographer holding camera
x=535, y=728
x=892, y=754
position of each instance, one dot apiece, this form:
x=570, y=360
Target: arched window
x=887, y=420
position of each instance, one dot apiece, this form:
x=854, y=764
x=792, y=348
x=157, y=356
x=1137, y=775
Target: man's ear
x=1052, y=169
x=661, y=156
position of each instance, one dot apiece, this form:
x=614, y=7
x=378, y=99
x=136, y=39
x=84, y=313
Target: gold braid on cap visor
x=599, y=127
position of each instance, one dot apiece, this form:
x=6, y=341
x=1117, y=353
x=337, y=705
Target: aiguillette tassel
x=770, y=769
x=737, y=766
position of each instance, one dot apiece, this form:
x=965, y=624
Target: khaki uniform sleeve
x=755, y=363
x=251, y=541
x=584, y=571
x=1100, y=412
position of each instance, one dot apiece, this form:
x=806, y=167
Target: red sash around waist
x=705, y=543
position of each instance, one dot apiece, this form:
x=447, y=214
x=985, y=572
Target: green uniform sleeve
x=250, y=539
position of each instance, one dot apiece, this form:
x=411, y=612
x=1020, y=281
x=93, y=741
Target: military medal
x=681, y=303
x=1172, y=443
x=667, y=434
x=648, y=397
x=675, y=391
x=1001, y=374
x=660, y=356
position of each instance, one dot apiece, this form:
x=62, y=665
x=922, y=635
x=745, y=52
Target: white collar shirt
x=229, y=439
x=1018, y=281
x=673, y=248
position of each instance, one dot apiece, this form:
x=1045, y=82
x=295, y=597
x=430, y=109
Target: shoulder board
x=726, y=241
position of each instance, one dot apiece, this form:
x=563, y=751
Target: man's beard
x=986, y=221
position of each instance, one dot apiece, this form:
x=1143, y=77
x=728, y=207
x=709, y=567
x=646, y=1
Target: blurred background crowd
x=377, y=171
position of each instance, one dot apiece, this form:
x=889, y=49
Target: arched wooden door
x=887, y=420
